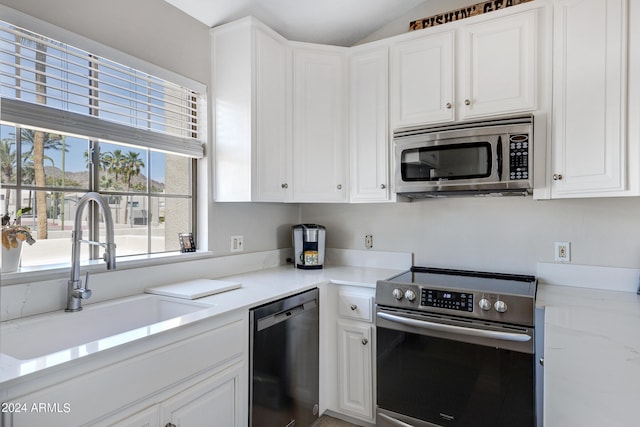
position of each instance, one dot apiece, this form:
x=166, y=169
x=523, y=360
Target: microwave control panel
x=518, y=156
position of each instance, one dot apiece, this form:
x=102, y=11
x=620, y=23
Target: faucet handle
x=83, y=292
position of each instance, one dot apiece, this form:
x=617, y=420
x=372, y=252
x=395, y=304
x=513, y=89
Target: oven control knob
x=484, y=304
x=397, y=294
x=410, y=295
x=500, y=306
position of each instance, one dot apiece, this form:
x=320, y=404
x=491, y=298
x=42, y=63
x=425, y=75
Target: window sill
x=59, y=271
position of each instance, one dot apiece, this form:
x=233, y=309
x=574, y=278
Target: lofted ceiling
x=335, y=22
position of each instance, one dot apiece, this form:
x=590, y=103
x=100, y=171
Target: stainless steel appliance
x=457, y=348
x=476, y=157
x=308, y=246
x=284, y=362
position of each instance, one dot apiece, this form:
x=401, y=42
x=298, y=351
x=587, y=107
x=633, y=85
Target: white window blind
x=52, y=85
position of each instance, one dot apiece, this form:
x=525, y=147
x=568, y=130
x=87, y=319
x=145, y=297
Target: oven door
x=435, y=370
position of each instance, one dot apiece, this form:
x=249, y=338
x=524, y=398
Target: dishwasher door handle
x=274, y=319
x=393, y=421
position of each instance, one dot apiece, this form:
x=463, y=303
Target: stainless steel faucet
x=76, y=292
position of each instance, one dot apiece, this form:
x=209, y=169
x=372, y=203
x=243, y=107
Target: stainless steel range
x=457, y=348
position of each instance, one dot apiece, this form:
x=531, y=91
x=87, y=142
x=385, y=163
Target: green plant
x=12, y=232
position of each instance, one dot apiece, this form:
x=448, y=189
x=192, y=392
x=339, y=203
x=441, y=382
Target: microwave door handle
x=441, y=327
x=499, y=158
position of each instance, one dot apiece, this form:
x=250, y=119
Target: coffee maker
x=308, y=246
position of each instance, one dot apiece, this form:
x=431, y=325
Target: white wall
x=426, y=9
x=151, y=30
x=160, y=34
x=508, y=234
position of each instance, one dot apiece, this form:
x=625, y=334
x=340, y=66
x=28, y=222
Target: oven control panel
x=461, y=301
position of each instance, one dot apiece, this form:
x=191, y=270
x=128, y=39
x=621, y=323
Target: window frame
x=198, y=165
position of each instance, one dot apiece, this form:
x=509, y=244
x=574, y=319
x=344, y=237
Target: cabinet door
x=422, y=80
x=216, y=400
x=146, y=418
x=251, y=89
x=273, y=139
x=369, y=133
x=499, y=66
x=232, y=90
x=320, y=149
x=355, y=385
x=589, y=97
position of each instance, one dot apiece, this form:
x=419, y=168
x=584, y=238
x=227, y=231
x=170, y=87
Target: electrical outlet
x=563, y=252
x=368, y=241
x=237, y=243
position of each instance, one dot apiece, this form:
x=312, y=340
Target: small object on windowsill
x=186, y=242
x=13, y=234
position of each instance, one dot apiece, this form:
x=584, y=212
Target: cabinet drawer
x=355, y=306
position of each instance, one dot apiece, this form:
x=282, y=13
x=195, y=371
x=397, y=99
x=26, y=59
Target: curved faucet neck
x=110, y=257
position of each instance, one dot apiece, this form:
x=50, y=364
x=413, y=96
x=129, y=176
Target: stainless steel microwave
x=489, y=157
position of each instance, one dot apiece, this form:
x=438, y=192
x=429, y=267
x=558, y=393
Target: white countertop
x=592, y=356
x=592, y=339
x=257, y=288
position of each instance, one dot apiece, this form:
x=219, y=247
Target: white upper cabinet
x=499, y=71
x=590, y=100
x=320, y=145
x=477, y=67
x=368, y=127
x=251, y=81
x=423, y=79
x=273, y=127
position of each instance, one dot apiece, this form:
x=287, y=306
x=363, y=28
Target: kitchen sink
x=97, y=327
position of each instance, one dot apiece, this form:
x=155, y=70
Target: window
x=73, y=122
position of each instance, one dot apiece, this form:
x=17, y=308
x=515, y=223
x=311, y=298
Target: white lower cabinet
x=214, y=398
x=355, y=342
x=147, y=418
x=355, y=353
x=186, y=381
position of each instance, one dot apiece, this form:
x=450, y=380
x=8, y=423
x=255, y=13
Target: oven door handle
x=505, y=336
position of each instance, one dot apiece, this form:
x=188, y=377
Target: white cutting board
x=194, y=289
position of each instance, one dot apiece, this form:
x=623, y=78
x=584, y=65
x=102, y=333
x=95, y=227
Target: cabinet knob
x=382, y=186
x=339, y=186
x=354, y=307
x=364, y=341
x=285, y=185
x=169, y=425
x=557, y=177
x=448, y=105
x=467, y=102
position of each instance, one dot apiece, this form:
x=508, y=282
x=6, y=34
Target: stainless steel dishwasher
x=283, y=365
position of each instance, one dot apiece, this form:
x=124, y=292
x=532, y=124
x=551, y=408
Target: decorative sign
x=465, y=12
